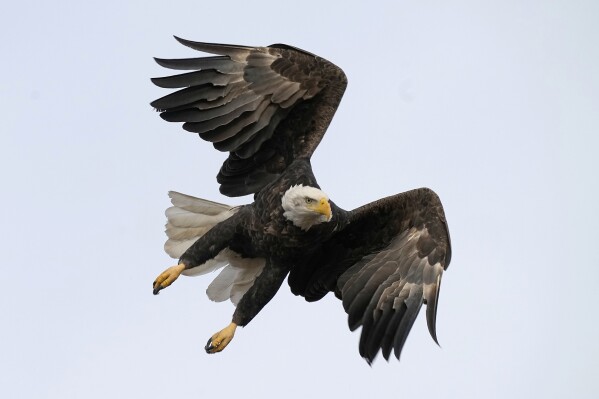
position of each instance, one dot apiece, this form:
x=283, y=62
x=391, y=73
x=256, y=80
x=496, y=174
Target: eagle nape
x=268, y=108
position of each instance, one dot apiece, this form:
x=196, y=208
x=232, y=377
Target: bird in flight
x=268, y=108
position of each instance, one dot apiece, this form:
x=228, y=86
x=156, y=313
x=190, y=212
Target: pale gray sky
x=494, y=105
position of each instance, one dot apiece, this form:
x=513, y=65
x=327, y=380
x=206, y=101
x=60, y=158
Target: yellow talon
x=167, y=277
x=221, y=339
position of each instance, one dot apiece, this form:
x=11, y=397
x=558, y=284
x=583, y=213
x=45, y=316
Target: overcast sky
x=494, y=105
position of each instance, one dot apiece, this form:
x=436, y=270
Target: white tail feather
x=197, y=205
x=190, y=218
x=236, y=278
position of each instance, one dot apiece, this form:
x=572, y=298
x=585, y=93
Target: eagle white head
x=306, y=206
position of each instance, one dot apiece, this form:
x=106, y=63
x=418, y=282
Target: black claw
x=157, y=289
x=209, y=346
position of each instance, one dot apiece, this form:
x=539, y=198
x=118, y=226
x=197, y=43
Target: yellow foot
x=221, y=339
x=167, y=277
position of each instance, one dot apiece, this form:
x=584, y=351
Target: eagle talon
x=221, y=339
x=209, y=346
x=167, y=277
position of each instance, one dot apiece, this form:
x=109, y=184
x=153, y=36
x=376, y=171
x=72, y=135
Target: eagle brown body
x=269, y=108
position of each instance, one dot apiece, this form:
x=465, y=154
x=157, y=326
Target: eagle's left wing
x=266, y=106
x=383, y=265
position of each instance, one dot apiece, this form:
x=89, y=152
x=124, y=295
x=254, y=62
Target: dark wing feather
x=384, y=264
x=266, y=106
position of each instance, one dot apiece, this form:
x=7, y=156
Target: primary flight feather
x=269, y=107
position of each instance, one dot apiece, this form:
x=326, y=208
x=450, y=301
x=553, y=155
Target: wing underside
x=384, y=265
x=266, y=106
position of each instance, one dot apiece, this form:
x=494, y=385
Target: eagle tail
x=187, y=220
x=190, y=218
x=236, y=278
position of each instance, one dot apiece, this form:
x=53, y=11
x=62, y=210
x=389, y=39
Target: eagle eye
x=309, y=200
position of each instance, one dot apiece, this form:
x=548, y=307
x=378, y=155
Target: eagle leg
x=167, y=277
x=221, y=339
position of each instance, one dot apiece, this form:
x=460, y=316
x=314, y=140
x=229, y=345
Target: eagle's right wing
x=383, y=265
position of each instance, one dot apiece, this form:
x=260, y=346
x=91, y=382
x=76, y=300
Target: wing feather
x=220, y=64
x=384, y=264
x=208, y=76
x=188, y=96
x=228, y=124
x=254, y=133
x=234, y=51
x=245, y=100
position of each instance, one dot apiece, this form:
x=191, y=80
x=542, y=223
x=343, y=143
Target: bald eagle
x=269, y=107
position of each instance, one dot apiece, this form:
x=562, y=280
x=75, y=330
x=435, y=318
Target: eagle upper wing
x=383, y=265
x=266, y=106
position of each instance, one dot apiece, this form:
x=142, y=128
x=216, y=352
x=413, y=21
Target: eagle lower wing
x=383, y=265
x=266, y=106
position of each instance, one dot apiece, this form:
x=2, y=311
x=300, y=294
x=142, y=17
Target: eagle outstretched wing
x=266, y=106
x=383, y=265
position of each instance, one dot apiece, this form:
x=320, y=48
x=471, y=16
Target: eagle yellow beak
x=324, y=208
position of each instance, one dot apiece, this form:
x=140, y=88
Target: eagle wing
x=266, y=106
x=383, y=265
